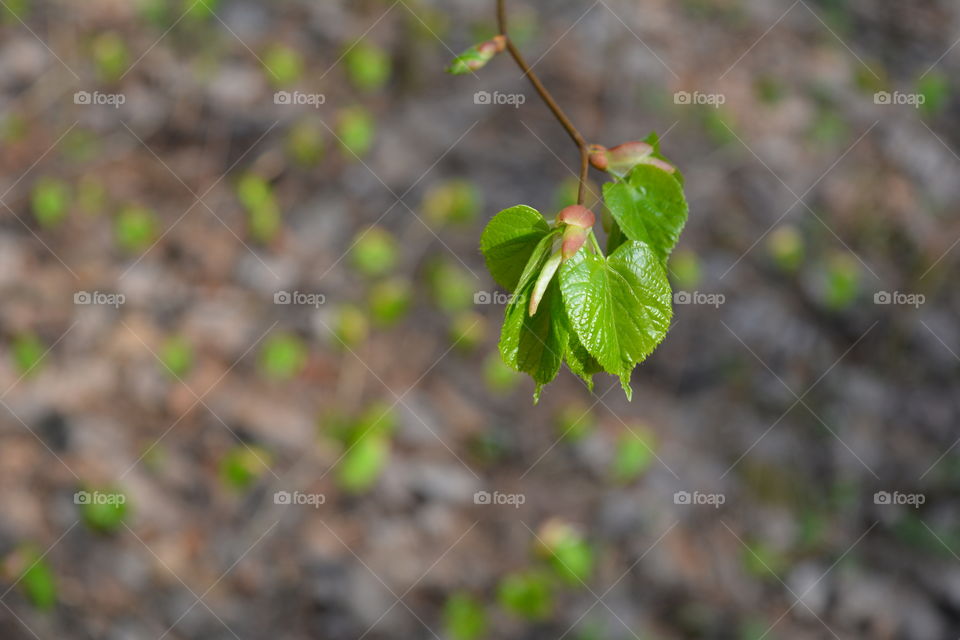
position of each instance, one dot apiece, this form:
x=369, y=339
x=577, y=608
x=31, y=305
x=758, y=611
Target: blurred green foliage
x=50, y=200
x=842, y=280
x=135, y=229
x=498, y=376
x=355, y=130
x=27, y=352
x=453, y=202
x=368, y=66
x=786, y=247
x=36, y=580
x=464, y=617
x=634, y=454
x=284, y=65
x=351, y=326
x=451, y=287
x=685, y=269
x=366, y=442
x=282, y=356
x=305, y=143
x=243, y=465
x=389, y=301
x=110, y=56
x=574, y=421
x=936, y=91
x=467, y=330
x=105, y=511
x=568, y=553
x=176, y=353
x=375, y=252
x=527, y=594
x=263, y=211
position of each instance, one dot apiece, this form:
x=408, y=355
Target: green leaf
x=581, y=363
x=649, y=206
x=619, y=306
x=508, y=242
x=467, y=62
x=535, y=344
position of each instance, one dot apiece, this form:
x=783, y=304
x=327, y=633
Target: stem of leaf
x=549, y=100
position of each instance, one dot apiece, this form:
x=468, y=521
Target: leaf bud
x=477, y=56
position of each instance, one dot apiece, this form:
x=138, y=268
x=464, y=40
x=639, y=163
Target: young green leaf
x=648, y=205
x=581, y=363
x=477, y=56
x=535, y=344
x=508, y=242
x=619, y=307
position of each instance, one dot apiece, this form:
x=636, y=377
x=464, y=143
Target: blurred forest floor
x=249, y=385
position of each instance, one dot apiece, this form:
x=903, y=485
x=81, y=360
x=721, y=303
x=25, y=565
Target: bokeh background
x=249, y=385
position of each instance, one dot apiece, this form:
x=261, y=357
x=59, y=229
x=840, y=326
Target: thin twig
x=548, y=99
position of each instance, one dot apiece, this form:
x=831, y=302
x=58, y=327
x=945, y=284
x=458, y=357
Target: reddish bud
x=491, y=47
x=477, y=56
x=657, y=162
x=629, y=152
x=579, y=221
x=573, y=239
x=598, y=156
x=577, y=215
x=622, y=158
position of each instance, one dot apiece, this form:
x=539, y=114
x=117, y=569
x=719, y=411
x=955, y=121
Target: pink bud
x=657, y=162
x=573, y=239
x=598, y=156
x=579, y=221
x=578, y=216
x=623, y=157
x=629, y=152
x=491, y=47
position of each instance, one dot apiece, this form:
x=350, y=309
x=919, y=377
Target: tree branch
x=549, y=100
